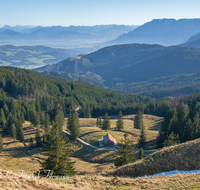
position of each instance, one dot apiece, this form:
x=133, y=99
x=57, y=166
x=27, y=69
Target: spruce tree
x=57, y=150
x=31, y=141
x=196, y=126
x=126, y=152
x=34, y=118
x=87, y=113
x=1, y=144
x=13, y=130
x=138, y=121
x=187, y=133
x=142, y=139
x=75, y=127
x=19, y=131
x=69, y=121
x=100, y=123
x=47, y=123
x=97, y=122
x=3, y=118
x=172, y=139
x=9, y=123
x=120, y=123
x=106, y=122
x=38, y=137
x=59, y=117
x=141, y=153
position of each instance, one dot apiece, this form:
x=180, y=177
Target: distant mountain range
x=121, y=67
x=59, y=36
x=162, y=31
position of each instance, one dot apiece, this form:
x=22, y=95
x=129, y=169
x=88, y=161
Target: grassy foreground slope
x=184, y=156
x=87, y=182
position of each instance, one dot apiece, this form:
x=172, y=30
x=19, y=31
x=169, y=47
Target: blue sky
x=93, y=12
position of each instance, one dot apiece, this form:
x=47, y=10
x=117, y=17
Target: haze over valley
x=99, y=94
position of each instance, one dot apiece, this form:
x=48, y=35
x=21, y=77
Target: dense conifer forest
x=41, y=99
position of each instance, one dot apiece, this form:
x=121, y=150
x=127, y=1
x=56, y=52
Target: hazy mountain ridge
x=162, y=31
x=86, y=34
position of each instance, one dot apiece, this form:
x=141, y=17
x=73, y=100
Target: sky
x=93, y=12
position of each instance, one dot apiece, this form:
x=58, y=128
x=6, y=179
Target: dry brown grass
x=87, y=182
x=181, y=157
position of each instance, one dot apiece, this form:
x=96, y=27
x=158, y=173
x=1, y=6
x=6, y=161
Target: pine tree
x=19, y=131
x=31, y=141
x=142, y=139
x=38, y=137
x=87, y=113
x=106, y=122
x=120, y=123
x=57, y=150
x=69, y=122
x=187, y=134
x=3, y=118
x=97, y=122
x=126, y=152
x=75, y=127
x=100, y=123
x=59, y=118
x=1, y=144
x=138, y=121
x=172, y=139
x=196, y=126
x=34, y=118
x=47, y=123
x=141, y=153
x=10, y=121
x=13, y=130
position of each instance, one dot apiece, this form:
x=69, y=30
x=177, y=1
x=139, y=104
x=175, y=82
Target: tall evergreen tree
x=106, y=122
x=187, y=133
x=13, y=130
x=196, y=126
x=142, y=139
x=58, y=153
x=69, y=121
x=126, y=152
x=34, y=118
x=19, y=131
x=120, y=123
x=38, y=137
x=59, y=118
x=1, y=144
x=87, y=113
x=75, y=127
x=97, y=122
x=31, y=141
x=141, y=153
x=3, y=118
x=47, y=123
x=100, y=123
x=138, y=121
x=9, y=123
x=172, y=139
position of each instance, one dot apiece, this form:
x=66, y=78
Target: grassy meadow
x=95, y=169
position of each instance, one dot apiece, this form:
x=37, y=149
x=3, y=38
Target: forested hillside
x=151, y=70
x=41, y=98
